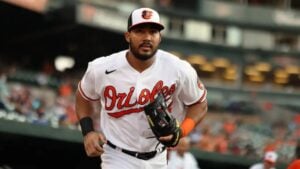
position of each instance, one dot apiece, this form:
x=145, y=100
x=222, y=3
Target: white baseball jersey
x=123, y=92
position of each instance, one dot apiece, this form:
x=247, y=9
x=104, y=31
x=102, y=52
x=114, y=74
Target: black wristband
x=86, y=125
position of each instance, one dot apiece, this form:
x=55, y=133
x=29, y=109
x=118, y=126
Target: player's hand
x=93, y=142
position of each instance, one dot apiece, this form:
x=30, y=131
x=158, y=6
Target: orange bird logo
x=147, y=14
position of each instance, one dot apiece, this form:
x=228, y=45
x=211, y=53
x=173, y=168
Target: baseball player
x=181, y=158
x=269, y=161
x=124, y=83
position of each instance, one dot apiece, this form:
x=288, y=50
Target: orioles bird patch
x=147, y=14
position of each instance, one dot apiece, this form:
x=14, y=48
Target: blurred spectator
x=39, y=114
x=250, y=151
x=269, y=161
x=4, y=93
x=229, y=125
x=195, y=135
x=207, y=141
x=222, y=143
x=271, y=146
x=21, y=99
x=295, y=164
x=66, y=89
x=181, y=158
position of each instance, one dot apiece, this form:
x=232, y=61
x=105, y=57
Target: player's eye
x=138, y=31
x=154, y=31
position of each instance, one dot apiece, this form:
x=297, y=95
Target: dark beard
x=143, y=57
x=140, y=56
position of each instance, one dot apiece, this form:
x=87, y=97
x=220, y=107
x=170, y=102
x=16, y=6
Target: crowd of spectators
x=37, y=104
x=248, y=135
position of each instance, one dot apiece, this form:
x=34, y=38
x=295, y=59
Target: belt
x=143, y=156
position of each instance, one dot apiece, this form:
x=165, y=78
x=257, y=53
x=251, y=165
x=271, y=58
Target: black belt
x=143, y=156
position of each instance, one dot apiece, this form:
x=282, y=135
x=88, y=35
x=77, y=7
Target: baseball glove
x=161, y=122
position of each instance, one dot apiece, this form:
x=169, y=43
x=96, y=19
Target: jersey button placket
x=138, y=88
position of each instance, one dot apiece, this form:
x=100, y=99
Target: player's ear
x=126, y=34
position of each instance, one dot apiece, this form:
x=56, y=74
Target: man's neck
x=138, y=64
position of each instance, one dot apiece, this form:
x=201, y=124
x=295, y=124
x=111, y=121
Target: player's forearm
x=195, y=114
x=197, y=111
x=84, y=111
x=83, y=107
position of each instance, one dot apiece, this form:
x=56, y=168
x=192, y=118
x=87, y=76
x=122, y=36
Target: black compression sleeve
x=86, y=125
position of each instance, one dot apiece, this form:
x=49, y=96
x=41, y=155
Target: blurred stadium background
x=247, y=53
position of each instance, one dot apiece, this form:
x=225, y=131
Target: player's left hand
x=164, y=126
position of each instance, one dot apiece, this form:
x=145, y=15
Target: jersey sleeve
x=86, y=86
x=192, y=89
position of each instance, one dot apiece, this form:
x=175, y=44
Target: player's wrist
x=86, y=124
x=187, y=126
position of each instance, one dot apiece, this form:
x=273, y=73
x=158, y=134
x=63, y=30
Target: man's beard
x=142, y=57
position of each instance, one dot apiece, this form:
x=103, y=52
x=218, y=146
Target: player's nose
x=147, y=36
